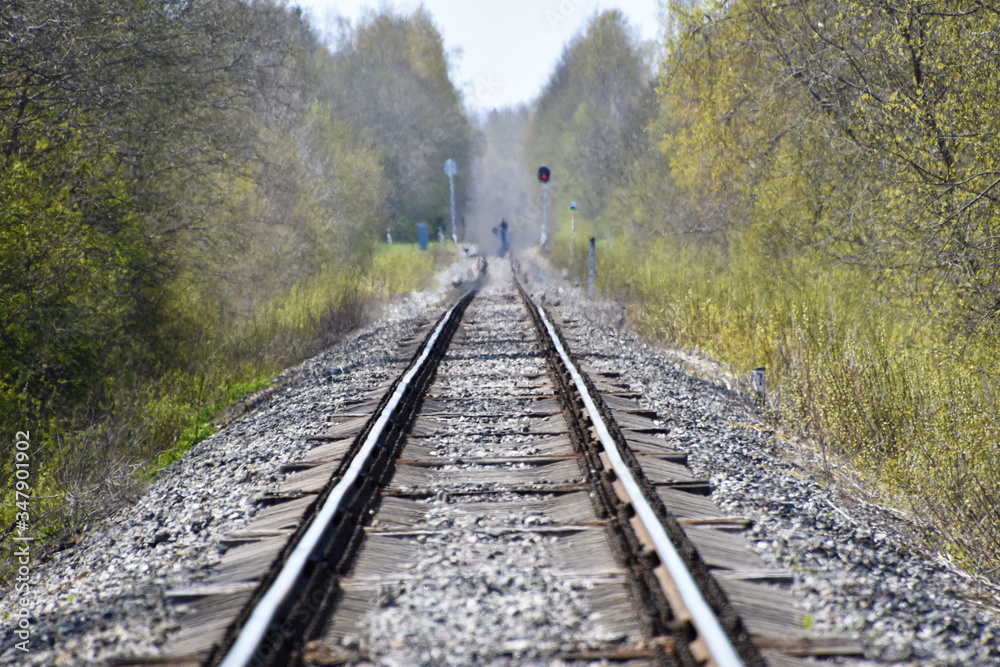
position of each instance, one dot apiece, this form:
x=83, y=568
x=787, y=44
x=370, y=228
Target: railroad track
x=494, y=505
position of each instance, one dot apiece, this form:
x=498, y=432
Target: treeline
x=589, y=124
x=190, y=197
x=812, y=186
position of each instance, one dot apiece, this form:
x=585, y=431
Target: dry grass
x=910, y=401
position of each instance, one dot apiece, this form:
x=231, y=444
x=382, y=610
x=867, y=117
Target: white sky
x=502, y=53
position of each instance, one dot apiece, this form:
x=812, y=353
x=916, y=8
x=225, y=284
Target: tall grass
x=909, y=399
x=402, y=267
x=85, y=464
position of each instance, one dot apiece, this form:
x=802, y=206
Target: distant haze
x=501, y=184
x=507, y=50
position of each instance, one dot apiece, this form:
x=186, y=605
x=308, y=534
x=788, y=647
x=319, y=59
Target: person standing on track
x=500, y=232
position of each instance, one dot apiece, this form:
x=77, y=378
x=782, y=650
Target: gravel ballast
x=857, y=567
x=105, y=596
x=482, y=588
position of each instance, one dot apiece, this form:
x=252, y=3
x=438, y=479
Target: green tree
x=589, y=124
x=390, y=77
x=877, y=114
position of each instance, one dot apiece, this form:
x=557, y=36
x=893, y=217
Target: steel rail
x=704, y=619
x=279, y=594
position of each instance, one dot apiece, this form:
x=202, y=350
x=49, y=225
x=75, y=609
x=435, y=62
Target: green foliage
x=203, y=424
x=65, y=275
x=861, y=129
x=389, y=78
x=818, y=195
x=588, y=124
x=191, y=218
x=402, y=267
x=912, y=404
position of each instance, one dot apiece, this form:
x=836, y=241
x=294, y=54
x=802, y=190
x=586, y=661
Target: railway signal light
x=543, y=176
